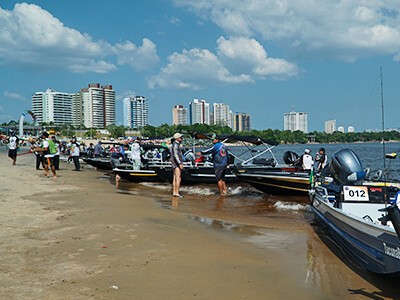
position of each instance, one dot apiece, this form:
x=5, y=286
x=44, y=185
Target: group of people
x=219, y=157
x=307, y=161
x=47, y=151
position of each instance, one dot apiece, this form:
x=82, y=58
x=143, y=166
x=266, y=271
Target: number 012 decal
x=355, y=193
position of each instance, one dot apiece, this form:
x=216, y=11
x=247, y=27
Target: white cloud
x=344, y=29
x=31, y=36
x=139, y=58
x=238, y=60
x=251, y=56
x=14, y=96
x=194, y=69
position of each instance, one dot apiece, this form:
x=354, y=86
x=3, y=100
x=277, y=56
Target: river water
x=285, y=224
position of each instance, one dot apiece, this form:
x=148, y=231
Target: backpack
x=52, y=147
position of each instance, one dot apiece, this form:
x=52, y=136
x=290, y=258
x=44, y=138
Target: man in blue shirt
x=220, y=161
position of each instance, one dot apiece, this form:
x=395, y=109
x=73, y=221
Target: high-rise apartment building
x=295, y=121
x=242, y=122
x=222, y=115
x=330, y=126
x=136, y=112
x=52, y=107
x=199, y=112
x=98, y=106
x=179, y=115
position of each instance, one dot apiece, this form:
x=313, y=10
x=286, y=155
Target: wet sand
x=80, y=237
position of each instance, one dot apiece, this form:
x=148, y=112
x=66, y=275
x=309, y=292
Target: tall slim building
x=199, y=112
x=242, y=122
x=222, y=115
x=77, y=109
x=136, y=112
x=330, y=126
x=52, y=107
x=98, y=106
x=295, y=121
x=179, y=115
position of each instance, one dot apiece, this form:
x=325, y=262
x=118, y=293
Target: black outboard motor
x=394, y=216
x=290, y=157
x=345, y=167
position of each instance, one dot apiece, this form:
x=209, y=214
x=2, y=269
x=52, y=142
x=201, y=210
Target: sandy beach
x=79, y=237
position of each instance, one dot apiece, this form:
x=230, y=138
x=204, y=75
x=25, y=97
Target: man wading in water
x=220, y=162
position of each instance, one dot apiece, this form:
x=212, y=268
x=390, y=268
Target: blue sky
x=262, y=57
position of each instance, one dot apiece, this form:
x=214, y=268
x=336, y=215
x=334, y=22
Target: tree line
x=275, y=135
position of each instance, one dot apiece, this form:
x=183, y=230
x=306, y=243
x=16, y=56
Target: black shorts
x=219, y=174
x=48, y=161
x=12, y=153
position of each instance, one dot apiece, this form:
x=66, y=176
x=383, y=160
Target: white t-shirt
x=74, y=150
x=135, y=151
x=307, y=162
x=12, y=143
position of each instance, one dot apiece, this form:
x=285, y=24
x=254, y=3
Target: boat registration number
x=355, y=193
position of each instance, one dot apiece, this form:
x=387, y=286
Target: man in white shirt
x=307, y=160
x=13, y=148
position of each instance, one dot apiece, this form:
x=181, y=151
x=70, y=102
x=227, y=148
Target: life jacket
x=52, y=147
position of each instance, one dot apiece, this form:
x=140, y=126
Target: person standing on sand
x=57, y=155
x=75, y=153
x=36, y=143
x=177, y=164
x=13, y=148
x=220, y=162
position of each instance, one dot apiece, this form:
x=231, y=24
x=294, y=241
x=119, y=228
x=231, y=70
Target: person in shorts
x=13, y=148
x=177, y=164
x=220, y=162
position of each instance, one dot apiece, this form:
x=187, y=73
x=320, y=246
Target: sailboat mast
x=383, y=123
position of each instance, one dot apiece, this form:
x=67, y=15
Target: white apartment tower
x=222, y=115
x=295, y=121
x=330, y=126
x=52, y=107
x=136, y=112
x=199, y=112
x=242, y=122
x=98, y=106
x=179, y=115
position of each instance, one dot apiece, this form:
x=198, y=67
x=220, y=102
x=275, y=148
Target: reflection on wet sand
x=283, y=225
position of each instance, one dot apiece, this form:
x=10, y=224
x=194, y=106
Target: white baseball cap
x=177, y=135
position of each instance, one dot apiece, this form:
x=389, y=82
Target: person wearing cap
x=321, y=159
x=307, y=160
x=177, y=163
x=220, y=161
x=13, y=148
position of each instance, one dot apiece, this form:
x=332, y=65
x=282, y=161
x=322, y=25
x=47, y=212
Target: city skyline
x=257, y=56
